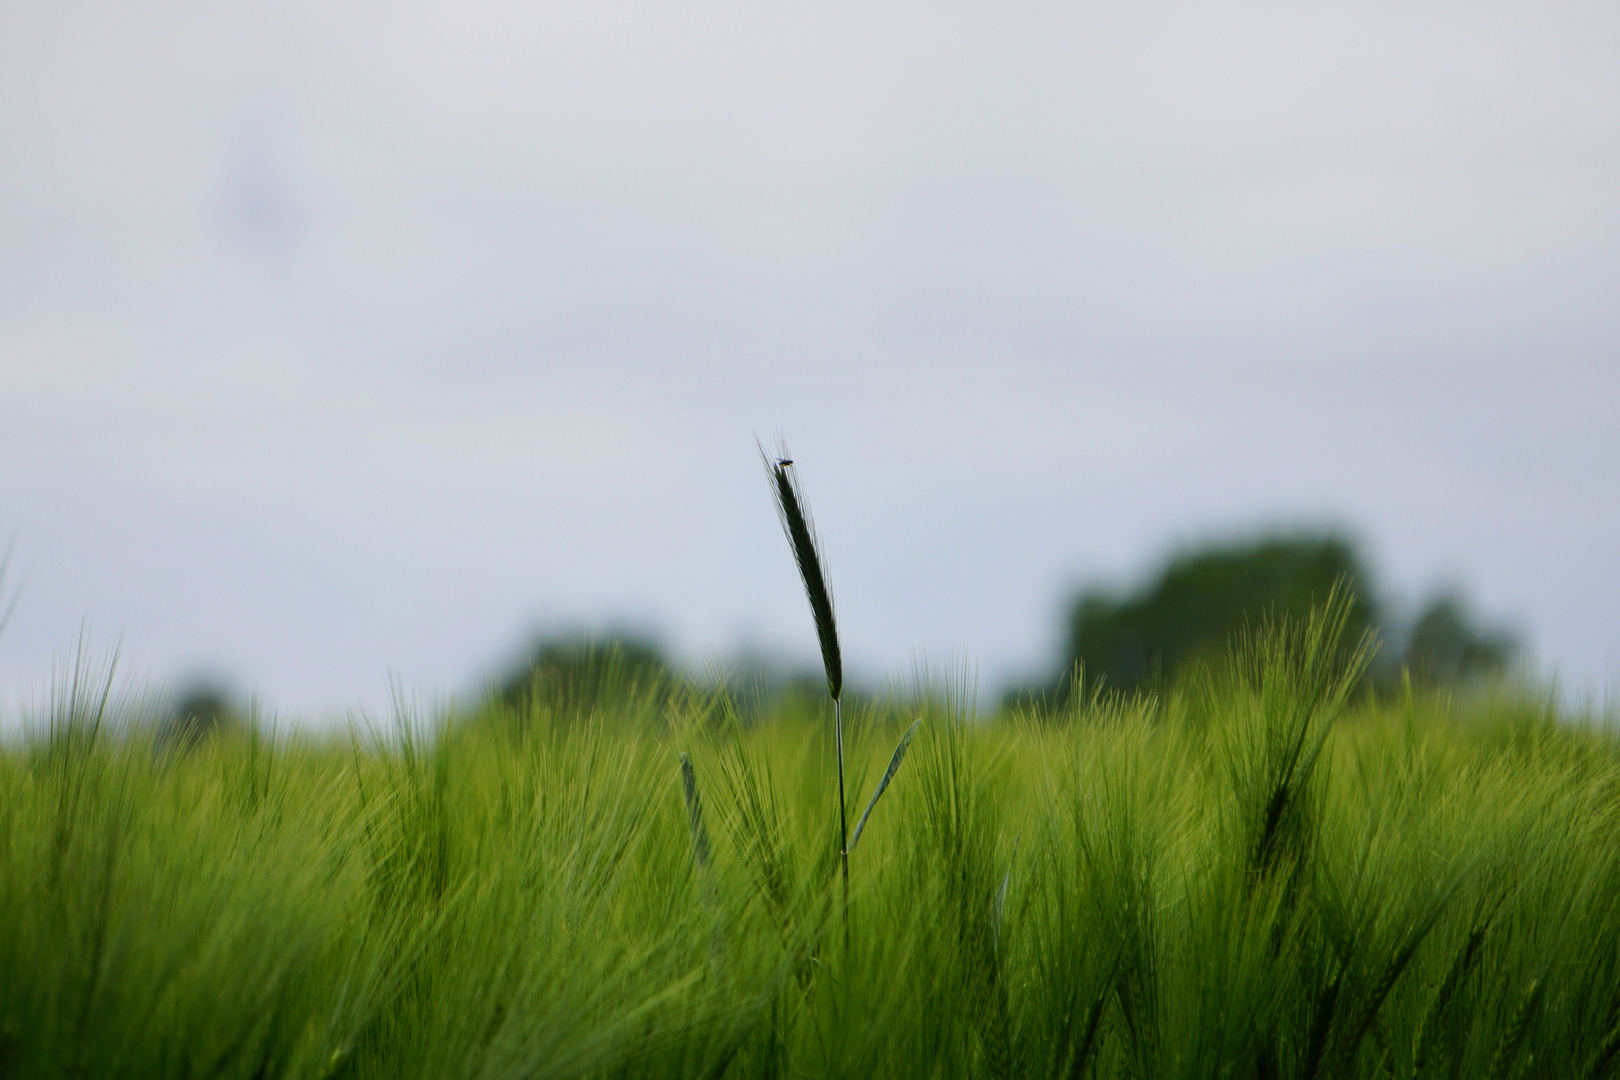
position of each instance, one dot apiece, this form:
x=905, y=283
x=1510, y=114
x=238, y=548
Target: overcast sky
x=347, y=339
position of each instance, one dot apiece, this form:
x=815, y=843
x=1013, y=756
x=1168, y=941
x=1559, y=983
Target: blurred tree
x=1444, y=646
x=202, y=710
x=1199, y=601
x=761, y=685
x=569, y=678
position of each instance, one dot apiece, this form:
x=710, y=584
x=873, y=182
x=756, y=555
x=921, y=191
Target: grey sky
x=340, y=339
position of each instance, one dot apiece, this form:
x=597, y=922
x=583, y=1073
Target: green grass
x=1248, y=878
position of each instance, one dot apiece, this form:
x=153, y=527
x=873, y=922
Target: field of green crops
x=1261, y=874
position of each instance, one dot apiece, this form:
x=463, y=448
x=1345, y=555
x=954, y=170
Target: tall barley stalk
x=883, y=784
x=801, y=534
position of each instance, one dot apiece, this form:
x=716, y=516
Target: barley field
x=1263, y=873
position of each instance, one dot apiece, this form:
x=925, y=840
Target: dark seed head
x=801, y=534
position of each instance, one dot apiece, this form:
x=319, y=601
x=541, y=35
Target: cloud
x=411, y=324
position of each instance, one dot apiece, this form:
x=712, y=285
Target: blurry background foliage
x=202, y=710
x=569, y=678
x=1445, y=646
x=1182, y=618
x=1185, y=615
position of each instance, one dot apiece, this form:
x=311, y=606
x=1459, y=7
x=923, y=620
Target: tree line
x=1140, y=639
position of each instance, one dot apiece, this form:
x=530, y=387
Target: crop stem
x=843, y=819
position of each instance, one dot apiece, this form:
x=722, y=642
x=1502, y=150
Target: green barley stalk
x=1363, y=1022
x=1507, y=1051
x=1001, y=897
x=1604, y=1060
x=694, y=815
x=888, y=774
x=700, y=855
x=1440, y=1008
x=801, y=534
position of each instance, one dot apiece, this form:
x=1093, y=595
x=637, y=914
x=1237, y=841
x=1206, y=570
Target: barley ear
x=1507, y=1051
x=801, y=534
x=694, y=814
x=894, y=766
x=1001, y=897
x=1604, y=1059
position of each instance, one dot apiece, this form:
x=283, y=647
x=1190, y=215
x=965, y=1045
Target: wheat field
x=1261, y=874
